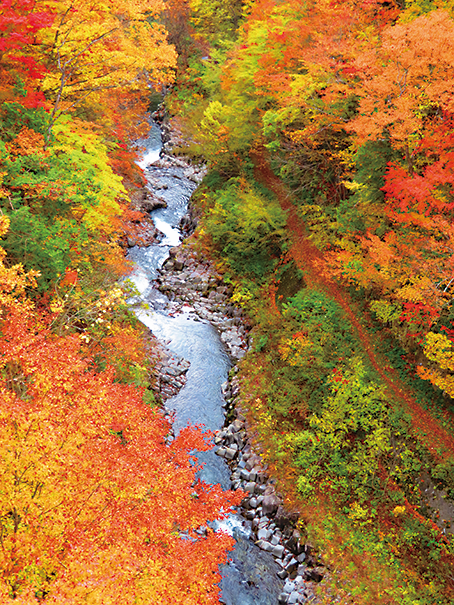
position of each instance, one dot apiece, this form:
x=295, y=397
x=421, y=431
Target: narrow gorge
x=202, y=335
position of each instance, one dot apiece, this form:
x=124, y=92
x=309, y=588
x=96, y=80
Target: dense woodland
x=328, y=129
x=94, y=500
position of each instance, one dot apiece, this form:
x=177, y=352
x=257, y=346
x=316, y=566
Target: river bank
x=190, y=280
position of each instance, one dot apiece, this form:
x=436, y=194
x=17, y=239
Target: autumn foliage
x=98, y=502
x=355, y=103
x=340, y=114
x=96, y=505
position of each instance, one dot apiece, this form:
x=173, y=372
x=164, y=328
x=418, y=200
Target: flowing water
x=250, y=577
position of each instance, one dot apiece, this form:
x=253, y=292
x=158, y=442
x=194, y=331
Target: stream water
x=250, y=576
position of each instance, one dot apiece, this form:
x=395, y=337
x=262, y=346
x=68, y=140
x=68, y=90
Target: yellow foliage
x=359, y=514
x=88, y=156
x=103, y=45
x=241, y=295
x=385, y=310
x=415, y=291
x=443, y=382
x=294, y=350
x=399, y=510
x=438, y=347
x=13, y=280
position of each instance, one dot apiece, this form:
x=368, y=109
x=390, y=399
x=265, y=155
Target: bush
x=248, y=229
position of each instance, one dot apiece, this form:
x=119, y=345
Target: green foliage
x=248, y=228
x=55, y=198
x=443, y=473
x=216, y=20
x=290, y=279
x=416, y=8
x=83, y=162
x=41, y=244
x=328, y=340
x=386, y=311
x=14, y=117
x=363, y=209
x=348, y=438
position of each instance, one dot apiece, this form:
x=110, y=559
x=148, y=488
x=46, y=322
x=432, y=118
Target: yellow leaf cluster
x=98, y=45
x=438, y=348
x=295, y=350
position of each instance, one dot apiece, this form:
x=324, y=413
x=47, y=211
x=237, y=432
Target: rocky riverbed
x=273, y=527
x=190, y=280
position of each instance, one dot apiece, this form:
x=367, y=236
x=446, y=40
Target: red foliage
x=19, y=24
x=431, y=189
x=419, y=315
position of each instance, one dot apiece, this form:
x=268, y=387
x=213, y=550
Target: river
x=250, y=576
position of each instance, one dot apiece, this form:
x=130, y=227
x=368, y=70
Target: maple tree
x=70, y=196
x=95, y=501
x=98, y=46
x=20, y=63
x=405, y=78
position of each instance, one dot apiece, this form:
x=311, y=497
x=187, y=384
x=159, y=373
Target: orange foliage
x=402, y=79
x=27, y=142
x=95, y=505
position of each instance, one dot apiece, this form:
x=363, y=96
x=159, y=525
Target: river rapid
x=250, y=576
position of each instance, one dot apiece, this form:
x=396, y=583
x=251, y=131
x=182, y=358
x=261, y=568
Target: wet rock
x=253, y=475
x=282, y=574
x=289, y=586
x=230, y=453
x=221, y=451
x=264, y=534
x=178, y=264
x=152, y=202
x=293, y=544
x=292, y=566
x=251, y=577
x=285, y=518
x=270, y=504
x=264, y=545
x=278, y=551
x=275, y=540
x=237, y=425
